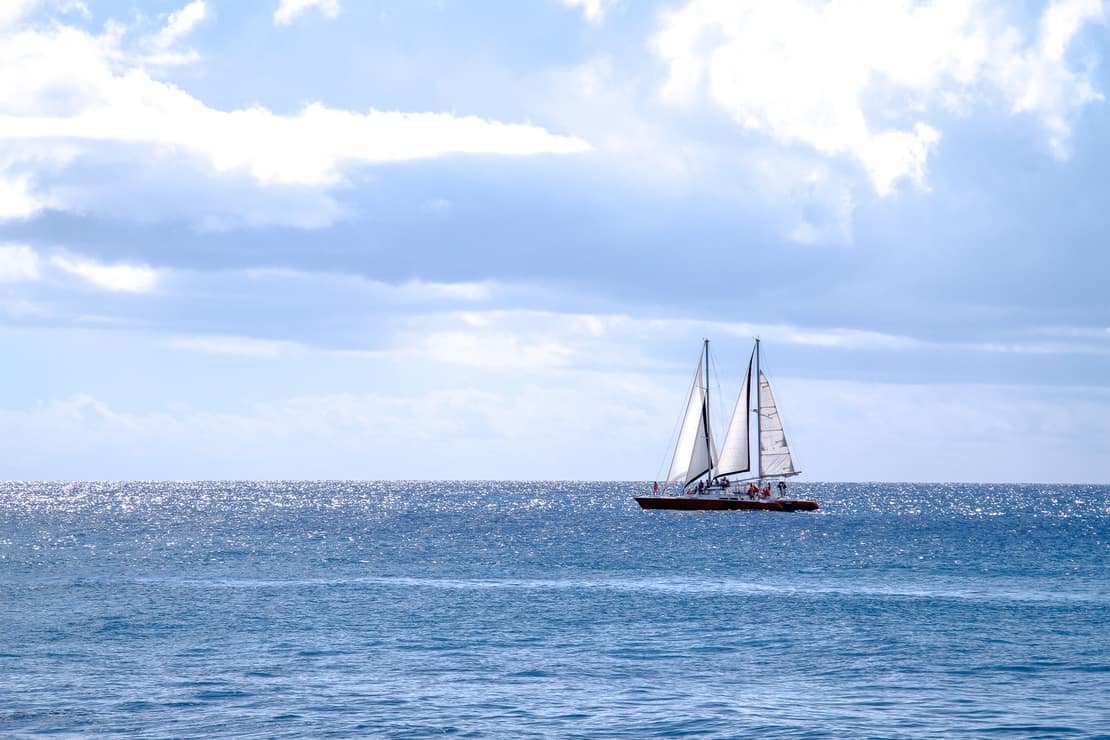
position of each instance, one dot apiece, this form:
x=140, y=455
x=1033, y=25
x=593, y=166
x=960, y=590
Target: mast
x=705, y=410
x=706, y=355
x=758, y=426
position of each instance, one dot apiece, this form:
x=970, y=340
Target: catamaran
x=706, y=478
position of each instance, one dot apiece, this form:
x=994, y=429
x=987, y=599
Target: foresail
x=735, y=456
x=695, y=452
x=688, y=432
x=704, y=457
x=774, y=455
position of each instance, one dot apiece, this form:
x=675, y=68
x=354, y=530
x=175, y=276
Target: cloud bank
x=838, y=431
x=858, y=79
x=68, y=94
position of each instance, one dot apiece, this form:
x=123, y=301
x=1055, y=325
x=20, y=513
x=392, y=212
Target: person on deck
x=655, y=487
x=767, y=490
x=782, y=488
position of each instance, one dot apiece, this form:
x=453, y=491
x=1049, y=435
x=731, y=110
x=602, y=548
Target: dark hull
x=693, y=503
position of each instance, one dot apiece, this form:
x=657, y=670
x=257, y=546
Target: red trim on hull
x=718, y=504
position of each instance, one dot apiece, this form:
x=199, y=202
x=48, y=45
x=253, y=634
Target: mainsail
x=735, y=457
x=695, y=453
x=774, y=455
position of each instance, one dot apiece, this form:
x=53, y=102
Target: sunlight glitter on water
x=406, y=609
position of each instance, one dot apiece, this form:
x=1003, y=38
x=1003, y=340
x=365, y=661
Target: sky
x=437, y=239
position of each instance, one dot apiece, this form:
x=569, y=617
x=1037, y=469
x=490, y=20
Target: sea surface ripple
x=540, y=609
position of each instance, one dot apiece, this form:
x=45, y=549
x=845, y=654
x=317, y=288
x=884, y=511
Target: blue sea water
x=343, y=609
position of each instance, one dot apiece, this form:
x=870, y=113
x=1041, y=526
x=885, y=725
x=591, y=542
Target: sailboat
x=707, y=480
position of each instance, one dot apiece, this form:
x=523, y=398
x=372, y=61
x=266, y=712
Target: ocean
x=540, y=609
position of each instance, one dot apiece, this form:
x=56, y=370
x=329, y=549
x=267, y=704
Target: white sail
x=774, y=455
x=735, y=456
x=704, y=458
x=695, y=452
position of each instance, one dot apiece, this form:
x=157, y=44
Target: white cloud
x=68, y=90
x=1039, y=80
x=310, y=148
x=1092, y=345
x=288, y=10
x=18, y=263
x=113, y=278
x=410, y=292
x=857, y=79
x=13, y=10
x=593, y=10
x=1098, y=333
x=833, y=337
x=241, y=346
x=420, y=290
x=605, y=326
x=18, y=199
x=181, y=22
x=543, y=340
x=494, y=349
x=22, y=168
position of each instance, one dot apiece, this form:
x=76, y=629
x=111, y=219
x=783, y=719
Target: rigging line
x=722, y=410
